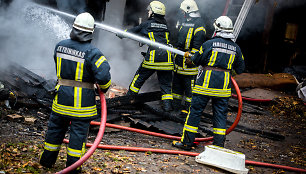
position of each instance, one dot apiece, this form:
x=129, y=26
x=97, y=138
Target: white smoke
x=124, y=55
x=29, y=35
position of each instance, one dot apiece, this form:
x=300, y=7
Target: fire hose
x=165, y=151
x=103, y=113
x=252, y=99
x=231, y=128
x=97, y=140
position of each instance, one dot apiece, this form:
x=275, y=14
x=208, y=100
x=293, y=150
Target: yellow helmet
x=157, y=8
x=84, y=22
x=189, y=6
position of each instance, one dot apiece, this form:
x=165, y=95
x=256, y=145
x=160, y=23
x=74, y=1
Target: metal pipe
x=123, y=33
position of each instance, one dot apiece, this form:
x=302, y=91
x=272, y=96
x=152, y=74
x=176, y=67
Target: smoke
x=28, y=36
x=71, y=6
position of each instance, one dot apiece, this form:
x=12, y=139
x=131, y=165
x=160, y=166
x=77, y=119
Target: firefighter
x=218, y=57
x=191, y=36
x=78, y=66
x=156, y=60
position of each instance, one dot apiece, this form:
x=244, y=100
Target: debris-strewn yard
x=21, y=144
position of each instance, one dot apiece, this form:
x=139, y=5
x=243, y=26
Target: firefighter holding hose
x=218, y=57
x=190, y=38
x=78, y=66
x=156, y=59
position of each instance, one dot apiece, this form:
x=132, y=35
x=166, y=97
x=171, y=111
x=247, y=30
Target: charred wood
x=4, y=94
x=132, y=100
x=172, y=117
x=246, y=107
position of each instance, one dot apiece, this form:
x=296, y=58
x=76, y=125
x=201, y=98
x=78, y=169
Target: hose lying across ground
x=103, y=123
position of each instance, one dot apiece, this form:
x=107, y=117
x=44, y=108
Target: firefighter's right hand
x=187, y=55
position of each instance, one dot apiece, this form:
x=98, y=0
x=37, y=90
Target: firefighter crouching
x=191, y=36
x=78, y=66
x=156, y=60
x=218, y=57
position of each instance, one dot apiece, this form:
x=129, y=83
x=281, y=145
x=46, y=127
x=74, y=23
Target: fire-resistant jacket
x=221, y=53
x=155, y=29
x=81, y=62
x=191, y=36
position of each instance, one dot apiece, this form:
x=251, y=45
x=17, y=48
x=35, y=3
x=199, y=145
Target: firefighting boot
x=183, y=114
x=177, y=104
x=219, y=140
x=167, y=105
x=187, y=141
x=181, y=145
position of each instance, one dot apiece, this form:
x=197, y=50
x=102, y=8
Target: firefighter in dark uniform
x=191, y=36
x=218, y=57
x=78, y=66
x=156, y=60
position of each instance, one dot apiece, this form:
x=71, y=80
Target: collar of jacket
x=80, y=36
x=225, y=35
x=158, y=18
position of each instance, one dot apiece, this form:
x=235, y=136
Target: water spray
x=122, y=33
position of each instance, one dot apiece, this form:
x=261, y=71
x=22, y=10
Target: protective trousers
x=57, y=128
x=164, y=78
x=198, y=104
x=182, y=87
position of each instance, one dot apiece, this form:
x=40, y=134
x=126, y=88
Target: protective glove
x=187, y=57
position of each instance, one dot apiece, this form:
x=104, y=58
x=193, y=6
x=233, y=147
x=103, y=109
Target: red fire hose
x=97, y=140
x=140, y=149
x=252, y=99
x=177, y=152
x=176, y=137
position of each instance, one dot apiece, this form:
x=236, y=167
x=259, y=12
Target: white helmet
x=223, y=23
x=189, y=6
x=157, y=8
x=84, y=22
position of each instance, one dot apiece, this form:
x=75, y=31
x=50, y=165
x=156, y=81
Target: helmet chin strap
x=150, y=13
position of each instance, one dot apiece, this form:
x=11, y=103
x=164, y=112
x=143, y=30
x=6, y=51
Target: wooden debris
x=278, y=81
x=15, y=117
x=30, y=120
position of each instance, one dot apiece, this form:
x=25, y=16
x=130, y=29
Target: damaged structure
x=143, y=110
x=272, y=46
x=33, y=90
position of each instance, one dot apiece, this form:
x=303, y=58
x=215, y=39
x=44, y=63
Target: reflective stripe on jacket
x=221, y=53
x=156, y=30
x=81, y=62
x=191, y=36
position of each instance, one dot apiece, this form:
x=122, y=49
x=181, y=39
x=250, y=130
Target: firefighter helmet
x=223, y=23
x=157, y=8
x=189, y=6
x=84, y=22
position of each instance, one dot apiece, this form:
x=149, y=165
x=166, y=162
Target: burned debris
x=32, y=91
